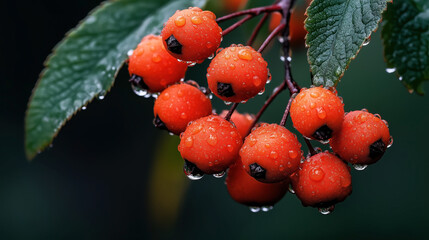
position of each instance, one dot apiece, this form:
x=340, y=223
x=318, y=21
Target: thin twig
x=236, y=25
x=272, y=35
x=231, y=111
x=257, y=28
x=252, y=11
x=310, y=147
x=286, y=113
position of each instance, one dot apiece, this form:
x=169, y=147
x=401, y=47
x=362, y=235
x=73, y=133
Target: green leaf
x=84, y=64
x=406, y=41
x=337, y=29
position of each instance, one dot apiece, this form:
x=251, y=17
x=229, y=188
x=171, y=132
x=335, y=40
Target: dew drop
x=180, y=21
x=257, y=81
x=327, y=210
x=261, y=92
x=212, y=140
x=360, y=167
x=230, y=148
x=83, y=108
x=293, y=154
x=321, y=113
x=189, y=142
x=390, y=142
x=255, y=209
x=196, y=20
x=211, y=56
x=227, y=103
x=195, y=177
x=289, y=59
x=281, y=39
x=219, y=175
x=156, y=58
x=366, y=41
x=282, y=58
x=266, y=208
x=183, y=115
x=314, y=94
x=290, y=189
x=130, y=52
x=317, y=174
x=138, y=91
x=231, y=66
x=390, y=70
x=274, y=155
x=245, y=54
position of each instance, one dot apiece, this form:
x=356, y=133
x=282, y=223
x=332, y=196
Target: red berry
x=237, y=73
x=210, y=143
x=317, y=113
x=322, y=181
x=179, y=104
x=248, y=191
x=363, y=138
x=192, y=34
x=271, y=153
x=242, y=122
x=151, y=63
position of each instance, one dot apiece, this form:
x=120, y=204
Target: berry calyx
x=242, y=121
x=210, y=143
x=246, y=190
x=237, y=73
x=152, y=67
x=363, y=138
x=271, y=153
x=317, y=113
x=192, y=34
x=179, y=104
x=322, y=181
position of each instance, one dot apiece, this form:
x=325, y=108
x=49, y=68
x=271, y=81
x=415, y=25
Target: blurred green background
x=111, y=174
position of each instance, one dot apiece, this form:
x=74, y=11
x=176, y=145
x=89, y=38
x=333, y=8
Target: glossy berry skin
x=246, y=190
x=363, y=138
x=179, y=104
x=192, y=34
x=322, y=181
x=271, y=153
x=211, y=143
x=155, y=65
x=242, y=121
x=317, y=113
x=237, y=73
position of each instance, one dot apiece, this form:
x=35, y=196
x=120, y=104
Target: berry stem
x=231, y=111
x=310, y=147
x=257, y=28
x=286, y=113
x=236, y=25
x=271, y=36
x=252, y=11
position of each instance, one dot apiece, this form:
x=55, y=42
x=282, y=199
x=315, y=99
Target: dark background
x=111, y=174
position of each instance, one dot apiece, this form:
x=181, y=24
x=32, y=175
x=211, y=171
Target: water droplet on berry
x=183, y=115
x=156, y=58
x=327, y=210
x=219, y=175
x=194, y=177
x=293, y=154
x=312, y=105
x=227, y=103
x=274, y=155
x=317, y=174
x=261, y=92
x=138, y=91
x=230, y=148
x=212, y=140
x=360, y=167
x=314, y=94
x=290, y=189
x=256, y=81
x=83, y=108
x=377, y=116
x=189, y=142
x=321, y=113
x=390, y=70
x=211, y=56
x=130, y=52
x=252, y=141
x=180, y=21
x=209, y=45
x=190, y=63
x=245, y=54
x=266, y=208
x=255, y=209
x=196, y=20
x=390, y=142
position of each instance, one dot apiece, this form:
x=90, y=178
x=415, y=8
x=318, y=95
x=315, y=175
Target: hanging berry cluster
x=262, y=160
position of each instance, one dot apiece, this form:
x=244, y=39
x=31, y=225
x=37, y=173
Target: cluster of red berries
x=264, y=162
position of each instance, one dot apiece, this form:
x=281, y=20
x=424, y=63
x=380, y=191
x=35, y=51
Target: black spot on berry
x=137, y=81
x=323, y=133
x=158, y=123
x=191, y=169
x=225, y=89
x=256, y=171
x=376, y=150
x=173, y=45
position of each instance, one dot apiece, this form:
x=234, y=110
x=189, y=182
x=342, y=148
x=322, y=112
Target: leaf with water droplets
x=337, y=29
x=406, y=41
x=84, y=65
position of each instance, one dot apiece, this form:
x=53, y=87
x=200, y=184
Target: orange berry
x=211, y=144
x=248, y=191
x=241, y=121
x=179, y=104
x=317, y=113
x=153, y=65
x=191, y=34
x=237, y=73
x=363, y=138
x=271, y=153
